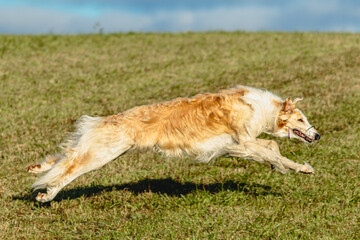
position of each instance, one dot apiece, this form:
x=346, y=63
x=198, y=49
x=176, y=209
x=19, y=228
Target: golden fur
x=204, y=127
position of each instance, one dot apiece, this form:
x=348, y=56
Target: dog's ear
x=288, y=106
x=297, y=100
x=284, y=117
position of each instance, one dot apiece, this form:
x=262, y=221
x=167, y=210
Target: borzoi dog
x=204, y=127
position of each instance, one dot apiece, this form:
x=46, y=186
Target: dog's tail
x=85, y=128
x=76, y=146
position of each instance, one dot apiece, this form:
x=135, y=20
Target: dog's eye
x=300, y=120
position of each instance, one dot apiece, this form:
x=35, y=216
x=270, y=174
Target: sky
x=109, y=16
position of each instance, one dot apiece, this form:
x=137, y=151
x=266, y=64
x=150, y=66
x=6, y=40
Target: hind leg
x=67, y=170
x=46, y=165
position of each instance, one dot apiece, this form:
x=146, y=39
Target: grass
x=47, y=82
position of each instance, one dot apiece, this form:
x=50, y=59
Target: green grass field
x=47, y=82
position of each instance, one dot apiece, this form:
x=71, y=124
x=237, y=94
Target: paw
x=39, y=168
x=306, y=168
x=34, y=168
x=44, y=197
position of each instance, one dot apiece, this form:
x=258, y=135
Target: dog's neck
x=266, y=114
x=270, y=120
x=266, y=107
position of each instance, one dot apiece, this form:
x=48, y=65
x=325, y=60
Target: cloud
x=321, y=15
x=71, y=17
x=37, y=20
x=28, y=20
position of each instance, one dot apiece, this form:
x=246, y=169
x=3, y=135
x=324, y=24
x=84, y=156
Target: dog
x=204, y=127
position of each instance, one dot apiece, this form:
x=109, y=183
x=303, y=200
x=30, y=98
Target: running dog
x=204, y=127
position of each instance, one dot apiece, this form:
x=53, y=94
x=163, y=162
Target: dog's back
x=181, y=126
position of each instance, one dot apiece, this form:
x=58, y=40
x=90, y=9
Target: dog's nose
x=317, y=136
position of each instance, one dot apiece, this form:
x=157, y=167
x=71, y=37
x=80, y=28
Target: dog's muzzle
x=305, y=137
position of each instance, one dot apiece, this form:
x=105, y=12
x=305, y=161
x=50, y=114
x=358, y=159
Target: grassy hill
x=47, y=82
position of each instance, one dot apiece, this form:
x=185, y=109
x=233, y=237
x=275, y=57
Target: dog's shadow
x=166, y=186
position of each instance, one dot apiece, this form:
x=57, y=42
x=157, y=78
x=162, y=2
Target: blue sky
x=88, y=16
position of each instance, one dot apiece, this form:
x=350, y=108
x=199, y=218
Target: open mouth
x=302, y=135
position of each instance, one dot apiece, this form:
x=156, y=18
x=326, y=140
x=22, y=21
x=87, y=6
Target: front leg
x=261, y=152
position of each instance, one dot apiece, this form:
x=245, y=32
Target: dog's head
x=292, y=123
